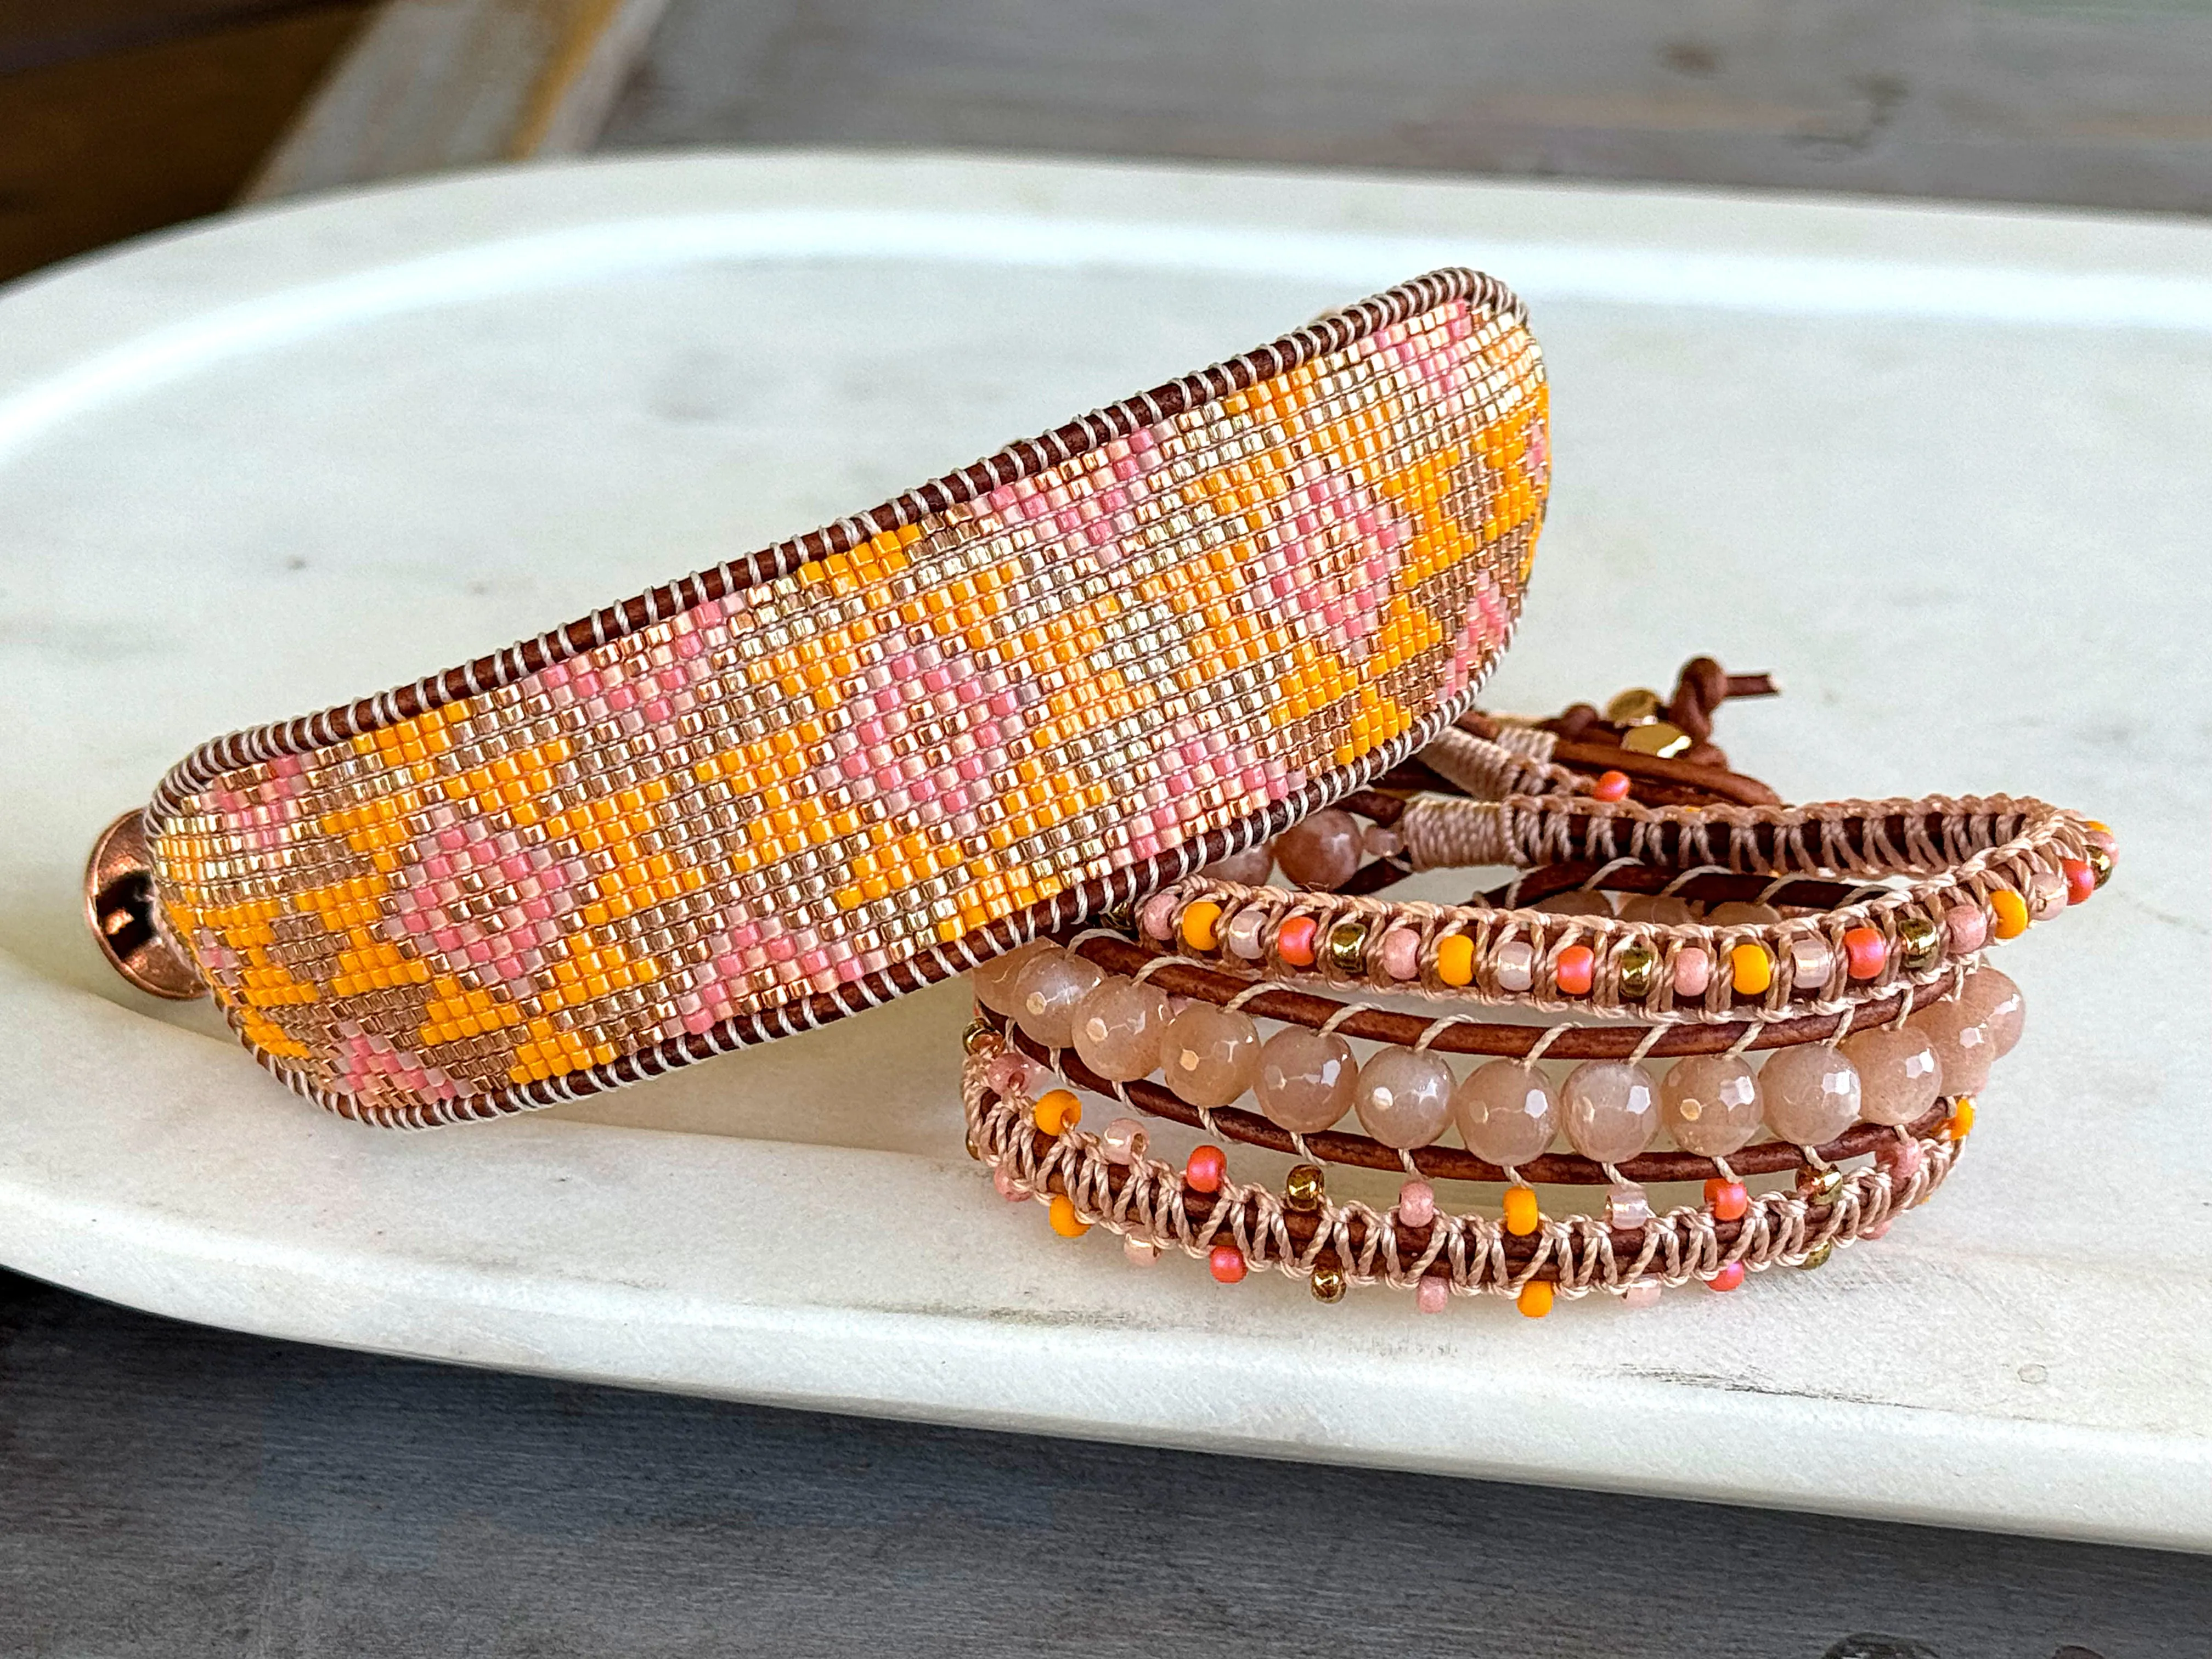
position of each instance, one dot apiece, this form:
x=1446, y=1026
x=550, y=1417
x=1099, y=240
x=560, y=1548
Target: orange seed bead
x=1535, y=1298
x=1521, y=1211
x=1058, y=1111
x=1065, y=1221
x=1455, y=959
x=1199, y=923
x=2011, y=912
x=1962, y=1118
x=1752, y=966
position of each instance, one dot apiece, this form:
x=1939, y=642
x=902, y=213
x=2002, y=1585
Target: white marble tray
x=1945, y=472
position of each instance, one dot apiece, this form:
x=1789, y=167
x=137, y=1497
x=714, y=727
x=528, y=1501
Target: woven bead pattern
x=780, y=791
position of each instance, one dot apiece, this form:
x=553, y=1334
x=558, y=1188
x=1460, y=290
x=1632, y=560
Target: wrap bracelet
x=791, y=786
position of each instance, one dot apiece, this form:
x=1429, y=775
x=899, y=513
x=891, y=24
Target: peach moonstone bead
x=1506, y=1112
x=1998, y=1001
x=1305, y=1079
x=1964, y=1043
x=1249, y=868
x=993, y=981
x=1047, y=991
x=1403, y=1096
x=1321, y=851
x=1211, y=1054
x=1117, y=1028
x=1899, y=1075
x=1611, y=1110
x=1812, y=1093
x=1710, y=1103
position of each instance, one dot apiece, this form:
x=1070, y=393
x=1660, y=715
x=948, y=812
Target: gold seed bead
x=1819, y=1256
x=981, y=1039
x=2100, y=864
x=1636, y=706
x=1303, y=1190
x=1919, y=943
x=1347, y=947
x=1638, y=968
x=1657, y=737
x=1819, y=1185
x=1329, y=1284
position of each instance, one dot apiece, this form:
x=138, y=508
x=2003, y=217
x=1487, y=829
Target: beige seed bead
x=1403, y=1098
x=1711, y=1104
x=1964, y=1043
x=2003, y=1009
x=993, y=981
x=1812, y=1093
x=1211, y=1055
x=1611, y=1110
x=1117, y=1028
x=1898, y=1074
x=1046, y=992
x=1305, y=1079
x=1321, y=851
x=1507, y=1112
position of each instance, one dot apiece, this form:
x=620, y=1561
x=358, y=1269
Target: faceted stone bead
x=1898, y=1076
x=1047, y=991
x=1666, y=912
x=1997, y=1000
x=1611, y=1110
x=1506, y=1111
x=1576, y=902
x=1711, y=1104
x=1250, y=868
x=1404, y=1097
x=1812, y=1093
x=1323, y=850
x=1737, y=915
x=993, y=981
x=1211, y=1054
x=1117, y=1028
x=1963, y=1042
x=1305, y=1079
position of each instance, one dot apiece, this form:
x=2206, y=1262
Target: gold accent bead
x=1329, y=1284
x=1819, y=1185
x=1919, y=943
x=1659, y=738
x=2100, y=862
x=1637, y=706
x=1305, y=1186
x=1638, y=968
x=1347, y=946
x=981, y=1038
x=1818, y=1257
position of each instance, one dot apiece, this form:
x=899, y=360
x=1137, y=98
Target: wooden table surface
x=172, y=1491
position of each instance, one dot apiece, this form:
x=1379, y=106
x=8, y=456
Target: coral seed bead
x=1226, y=1263
x=1206, y=1170
x=1751, y=969
x=2080, y=879
x=1729, y=1276
x=1728, y=1200
x=1521, y=1211
x=1065, y=1221
x=1058, y=1111
x=1610, y=786
x=2011, y=912
x=1535, y=1298
x=1866, y=952
x=1294, y=940
x=1576, y=968
x=1199, y=921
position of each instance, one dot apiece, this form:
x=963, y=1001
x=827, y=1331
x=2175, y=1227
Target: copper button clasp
x=118, y=907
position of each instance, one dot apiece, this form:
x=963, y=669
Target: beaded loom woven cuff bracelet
x=786, y=788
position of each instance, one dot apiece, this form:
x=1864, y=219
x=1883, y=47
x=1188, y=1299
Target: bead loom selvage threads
x=787, y=788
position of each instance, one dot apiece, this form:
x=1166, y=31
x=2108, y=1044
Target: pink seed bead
x=1141, y=1252
x=1124, y=1141
x=1158, y=917
x=1434, y=1294
x=1402, y=953
x=1877, y=1230
x=1727, y=1278
x=1003, y=1179
x=1417, y=1204
x=1644, y=1293
x=1693, y=969
x=1968, y=927
x=1008, y=1074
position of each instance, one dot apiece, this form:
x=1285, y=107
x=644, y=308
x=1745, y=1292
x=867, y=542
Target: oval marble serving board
x=1943, y=470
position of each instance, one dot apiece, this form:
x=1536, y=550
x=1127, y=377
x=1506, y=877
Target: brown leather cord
x=1445, y=1162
